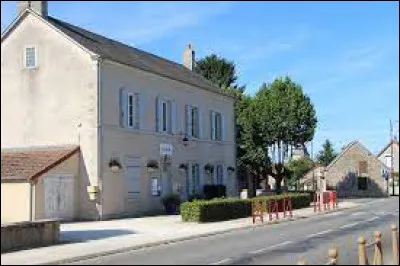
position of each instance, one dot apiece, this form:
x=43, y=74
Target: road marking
x=321, y=233
x=271, y=247
x=357, y=213
x=372, y=219
x=381, y=213
x=349, y=225
x=221, y=262
x=334, y=213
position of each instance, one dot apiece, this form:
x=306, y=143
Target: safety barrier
x=325, y=200
x=362, y=250
x=271, y=207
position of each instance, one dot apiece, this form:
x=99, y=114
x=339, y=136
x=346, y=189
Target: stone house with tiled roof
x=123, y=107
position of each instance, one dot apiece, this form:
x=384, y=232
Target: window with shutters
x=220, y=174
x=216, y=126
x=30, y=57
x=129, y=110
x=192, y=121
x=194, y=179
x=165, y=116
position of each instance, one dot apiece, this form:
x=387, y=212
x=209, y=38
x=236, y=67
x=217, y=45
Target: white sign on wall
x=166, y=149
x=155, y=189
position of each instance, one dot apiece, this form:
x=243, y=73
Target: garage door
x=59, y=197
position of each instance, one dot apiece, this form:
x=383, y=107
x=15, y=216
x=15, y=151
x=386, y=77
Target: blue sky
x=345, y=54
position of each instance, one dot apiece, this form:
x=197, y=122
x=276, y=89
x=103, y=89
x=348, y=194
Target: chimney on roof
x=189, y=59
x=39, y=7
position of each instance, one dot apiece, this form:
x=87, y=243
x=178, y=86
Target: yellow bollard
x=333, y=256
x=378, y=259
x=362, y=252
x=395, y=243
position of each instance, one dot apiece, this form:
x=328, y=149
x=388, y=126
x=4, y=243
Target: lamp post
x=392, y=156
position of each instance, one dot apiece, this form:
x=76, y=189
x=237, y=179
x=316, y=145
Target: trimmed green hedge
x=228, y=209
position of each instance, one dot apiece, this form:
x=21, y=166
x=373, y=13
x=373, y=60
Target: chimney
x=39, y=7
x=189, y=60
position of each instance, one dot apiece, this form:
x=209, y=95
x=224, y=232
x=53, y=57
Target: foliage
x=219, y=71
x=214, y=191
x=228, y=209
x=327, y=154
x=297, y=169
x=283, y=117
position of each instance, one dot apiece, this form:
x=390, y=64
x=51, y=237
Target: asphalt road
x=280, y=244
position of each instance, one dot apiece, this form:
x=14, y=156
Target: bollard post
x=333, y=256
x=302, y=262
x=395, y=244
x=378, y=259
x=362, y=252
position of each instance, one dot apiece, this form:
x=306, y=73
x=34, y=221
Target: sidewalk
x=91, y=239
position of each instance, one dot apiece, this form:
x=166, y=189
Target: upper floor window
x=192, y=121
x=388, y=160
x=30, y=57
x=164, y=115
x=216, y=125
x=129, y=109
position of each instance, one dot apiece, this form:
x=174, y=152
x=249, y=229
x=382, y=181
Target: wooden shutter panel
x=157, y=116
x=123, y=107
x=137, y=111
x=188, y=127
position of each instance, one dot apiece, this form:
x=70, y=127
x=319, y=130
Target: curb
x=181, y=239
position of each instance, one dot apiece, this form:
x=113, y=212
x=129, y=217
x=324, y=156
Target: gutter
x=99, y=137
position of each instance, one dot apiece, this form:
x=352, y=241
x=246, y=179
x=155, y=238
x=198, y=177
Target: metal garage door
x=59, y=197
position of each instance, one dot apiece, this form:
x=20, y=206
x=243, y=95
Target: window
x=129, y=109
x=163, y=115
x=362, y=183
x=192, y=121
x=30, y=57
x=194, y=179
x=388, y=161
x=220, y=174
x=216, y=126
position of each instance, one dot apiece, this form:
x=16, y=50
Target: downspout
x=99, y=139
x=31, y=201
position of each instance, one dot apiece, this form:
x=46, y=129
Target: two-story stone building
x=145, y=126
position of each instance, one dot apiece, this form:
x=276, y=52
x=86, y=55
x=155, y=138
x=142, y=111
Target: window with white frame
x=219, y=174
x=193, y=185
x=129, y=109
x=192, y=121
x=388, y=160
x=216, y=125
x=30, y=57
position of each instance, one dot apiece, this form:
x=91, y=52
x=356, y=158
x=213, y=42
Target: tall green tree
x=284, y=117
x=327, y=154
x=219, y=71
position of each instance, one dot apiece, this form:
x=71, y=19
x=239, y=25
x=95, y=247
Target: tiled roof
x=30, y=163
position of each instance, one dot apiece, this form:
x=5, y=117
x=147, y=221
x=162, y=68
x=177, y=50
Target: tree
x=297, y=169
x=219, y=71
x=327, y=154
x=284, y=117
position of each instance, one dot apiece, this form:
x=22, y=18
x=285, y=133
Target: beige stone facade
x=72, y=96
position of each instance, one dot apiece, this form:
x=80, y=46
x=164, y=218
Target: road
x=280, y=244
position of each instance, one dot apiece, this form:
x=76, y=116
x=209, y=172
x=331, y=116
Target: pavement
x=99, y=241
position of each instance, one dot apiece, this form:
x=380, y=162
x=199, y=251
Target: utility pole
x=391, y=157
x=313, y=165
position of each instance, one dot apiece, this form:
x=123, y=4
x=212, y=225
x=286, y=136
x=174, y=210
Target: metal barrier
x=273, y=207
x=257, y=210
x=362, y=250
x=327, y=199
x=287, y=207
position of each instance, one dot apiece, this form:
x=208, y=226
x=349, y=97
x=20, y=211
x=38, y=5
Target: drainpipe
x=31, y=200
x=99, y=138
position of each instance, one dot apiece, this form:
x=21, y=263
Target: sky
x=344, y=54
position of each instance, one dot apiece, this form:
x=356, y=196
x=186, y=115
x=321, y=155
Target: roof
x=387, y=146
x=30, y=163
x=118, y=52
x=347, y=148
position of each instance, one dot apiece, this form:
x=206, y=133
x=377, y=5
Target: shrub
x=228, y=209
x=214, y=191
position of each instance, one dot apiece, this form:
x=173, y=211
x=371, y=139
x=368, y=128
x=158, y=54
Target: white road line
x=269, y=248
x=221, y=262
x=381, y=213
x=321, y=233
x=349, y=225
x=334, y=213
x=357, y=213
x=372, y=219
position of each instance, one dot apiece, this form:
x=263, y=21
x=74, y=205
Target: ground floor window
x=193, y=179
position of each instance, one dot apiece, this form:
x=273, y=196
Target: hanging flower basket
x=114, y=165
x=209, y=168
x=152, y=165
x=183, y=166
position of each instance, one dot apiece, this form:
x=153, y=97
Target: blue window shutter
x=137, y=111
x=123, y=107
x=200, y=123
x=170, y=117
x=175, y=118
x=223, y=133
x=142, y=111
x=158, y=114
x=187, y=120
x=212, y=125
x=198, y=189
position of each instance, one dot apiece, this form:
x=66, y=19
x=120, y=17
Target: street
x=282, y=244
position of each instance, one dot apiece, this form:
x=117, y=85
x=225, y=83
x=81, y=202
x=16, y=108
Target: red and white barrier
x=325, y=200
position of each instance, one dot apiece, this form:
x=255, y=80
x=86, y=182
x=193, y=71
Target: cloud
x=154, y=20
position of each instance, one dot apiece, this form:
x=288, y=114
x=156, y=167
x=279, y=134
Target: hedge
x=228, y=209
x=214, y=191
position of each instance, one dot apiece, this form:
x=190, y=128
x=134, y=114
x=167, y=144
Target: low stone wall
x=24, y=235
